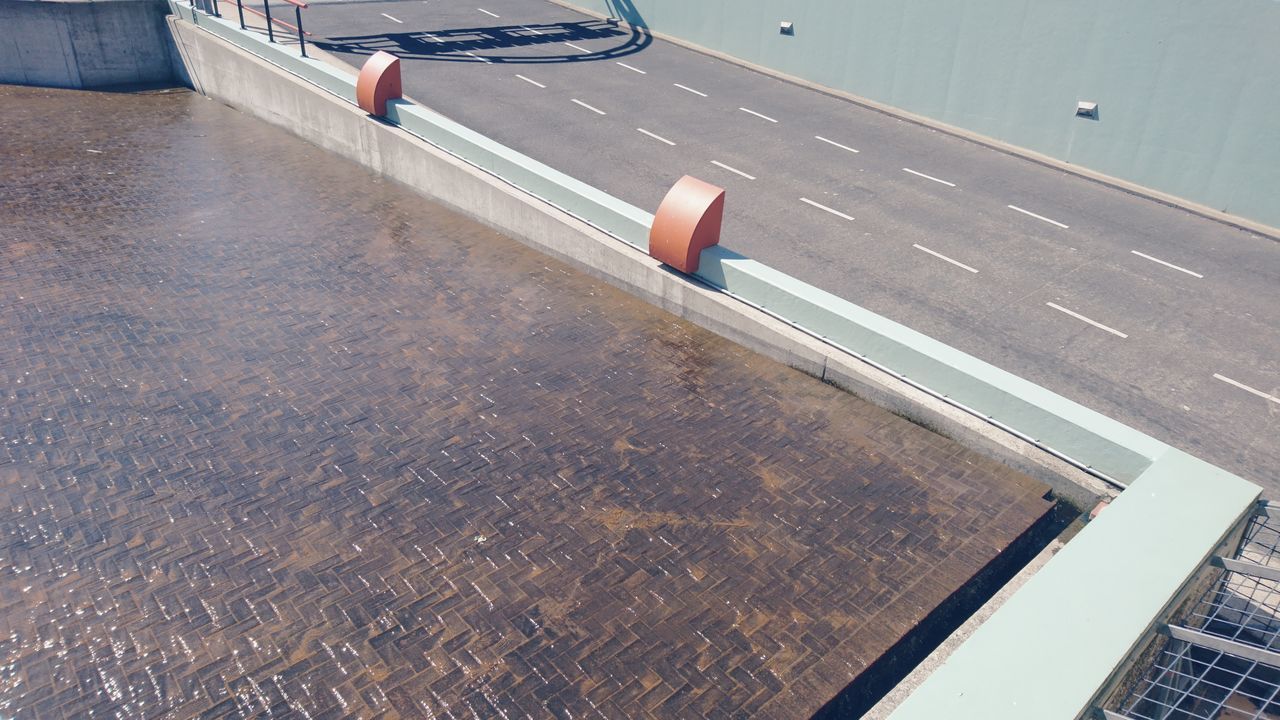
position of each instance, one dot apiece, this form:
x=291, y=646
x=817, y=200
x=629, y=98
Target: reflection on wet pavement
x=258, y=460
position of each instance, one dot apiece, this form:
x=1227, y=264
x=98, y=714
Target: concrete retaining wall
x=1186, y=89
x=85, y=44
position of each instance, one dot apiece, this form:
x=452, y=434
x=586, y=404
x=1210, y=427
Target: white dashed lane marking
x=1166, y=264
x=659, y=138
x=736, y=171
x=928, y=177
x=753, y=112
x=820, y=206
x=1038, y=217
x=1094, y=323
x=1247, y=389
x=833, y=142
x=940, y=256
x=598, y=111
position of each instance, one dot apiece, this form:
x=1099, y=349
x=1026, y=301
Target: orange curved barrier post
x=379, y=81
x=687, y=222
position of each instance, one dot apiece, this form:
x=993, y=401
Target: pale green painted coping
x=1053, y=646
x=620, y=219
x=1105, y=444
x=334, y=80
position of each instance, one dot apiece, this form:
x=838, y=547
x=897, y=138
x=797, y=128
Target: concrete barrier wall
x=77, y=44
x=1087, y=609
x=1186, y=89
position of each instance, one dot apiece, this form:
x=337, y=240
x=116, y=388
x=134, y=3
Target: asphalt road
x=1151, y=314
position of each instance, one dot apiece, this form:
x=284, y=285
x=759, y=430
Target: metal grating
x=1187, y=681
x=1243, y=608
x=1262, y=537
x=1193, y=680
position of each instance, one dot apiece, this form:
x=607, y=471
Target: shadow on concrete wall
x=626, y=11
x=449, y=45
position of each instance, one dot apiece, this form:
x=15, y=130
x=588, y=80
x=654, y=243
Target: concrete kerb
x=223, y=71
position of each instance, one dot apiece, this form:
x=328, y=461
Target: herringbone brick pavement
x=258, y=460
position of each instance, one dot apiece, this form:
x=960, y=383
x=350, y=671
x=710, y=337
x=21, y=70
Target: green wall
x=1188, y=90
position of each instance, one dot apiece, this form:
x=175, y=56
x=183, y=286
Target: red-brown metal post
x=687, y=222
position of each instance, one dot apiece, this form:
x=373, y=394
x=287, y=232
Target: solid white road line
x=1038, y=217
x=820, y=206
x=1166, y=264
x=833, y=142
x=391, y=18
x=928, y=177
x=490, y=14
x=940, y=256
x=659, y=138
x=695, y=92
x=531, y=82
x=753, y=112
x=1094, y=323
x=577, y=47
x=719, y=164
x=1246, y=388
x=632, y=69
x=594, y=110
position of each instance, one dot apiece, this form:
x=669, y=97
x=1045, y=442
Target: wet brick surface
x=281, y=438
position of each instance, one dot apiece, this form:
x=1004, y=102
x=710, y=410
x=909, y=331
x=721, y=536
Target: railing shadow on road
x=449, y=45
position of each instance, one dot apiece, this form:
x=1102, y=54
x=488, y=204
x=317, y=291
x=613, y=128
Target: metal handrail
x=298, y=7
x=214, y=5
